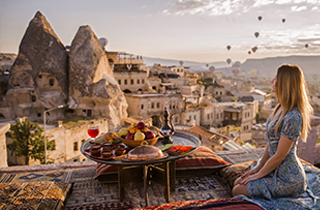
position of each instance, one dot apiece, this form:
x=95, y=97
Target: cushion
x=201, y=158
x=33, y=195
x=217, y=204
x=229, y=174
x=200, y=162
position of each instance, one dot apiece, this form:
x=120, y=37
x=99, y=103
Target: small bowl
x=106, y=153
x=95, y=149
x=120, y=146
x=108, y=146
x=119, y=151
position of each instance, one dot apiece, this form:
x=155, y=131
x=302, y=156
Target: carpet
x=88, y=193
x=37, y=176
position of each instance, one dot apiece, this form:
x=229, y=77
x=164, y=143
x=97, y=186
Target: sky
x=188, y=30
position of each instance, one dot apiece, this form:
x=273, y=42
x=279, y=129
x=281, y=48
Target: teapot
x=167, y=130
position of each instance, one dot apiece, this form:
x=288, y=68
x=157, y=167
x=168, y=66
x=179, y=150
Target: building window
x=89, y=113
x=152, y=105
x=51, y=82
x=132, y=82
x=138, y=81
x=176, y=119
x=141, y=106
x=208, y=116
x=33, y=98
x=220, y=115
x=217, y=116
x=158, y=105
x=170, y=107
x=125, y=82
x=82, y=141
x=75, y=146
x=119, y=81
x=142, y=81
x=195, y=117
x=39, y=114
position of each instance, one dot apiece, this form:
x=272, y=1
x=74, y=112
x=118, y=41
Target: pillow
x=202, y=161
x=229, y=174
x=110, y=171
x=219, y=204
x=33, y=195
x=198, y=162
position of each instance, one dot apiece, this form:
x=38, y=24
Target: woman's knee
x=237, y=181
x=240, y=190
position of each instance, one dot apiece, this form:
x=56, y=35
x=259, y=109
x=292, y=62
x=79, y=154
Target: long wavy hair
x=291, y=91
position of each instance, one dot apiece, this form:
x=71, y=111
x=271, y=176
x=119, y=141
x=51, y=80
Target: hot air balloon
x=212, y=68
x=259, y=18
x=254, y=49
x=181, y=63
x=235, y=71
x=283, y=20
x=103, y=41
x=228, y=47
x=256, y=34
x=228, y=60
x=249, y=52
x=236, y=64
x=207, y=65
x=306, y=45
x=253, y=71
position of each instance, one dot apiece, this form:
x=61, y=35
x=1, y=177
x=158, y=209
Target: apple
x=129, y=136
x=123, y=132
x=139, y=136
x=155, y=132
x=141, y=125
x=150, y=135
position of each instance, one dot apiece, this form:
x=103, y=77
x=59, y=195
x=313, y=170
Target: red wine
x=93, y=132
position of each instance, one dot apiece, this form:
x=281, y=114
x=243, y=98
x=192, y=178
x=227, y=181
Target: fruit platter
x=106, y=151
x=139, y=134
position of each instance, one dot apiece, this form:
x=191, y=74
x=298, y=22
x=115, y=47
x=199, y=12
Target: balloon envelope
x=253, y=71
x=249, y=52
x=259, y=18
x=228, y=47
x=207, y=65
x=256, y=34
x=306, y=45
x=283, y=20
x=103, y=41
x=181, y=63
x=212, y=68
x=235, y=71
x=228, y=60
x=254, y=49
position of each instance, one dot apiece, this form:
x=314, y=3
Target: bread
x=112, y=137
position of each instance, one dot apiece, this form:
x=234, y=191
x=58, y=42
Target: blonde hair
x=291, y=91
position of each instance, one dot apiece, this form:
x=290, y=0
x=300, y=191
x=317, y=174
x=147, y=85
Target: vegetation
x=205, y=81
x=28, y=141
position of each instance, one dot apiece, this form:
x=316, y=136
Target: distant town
x=63, y=88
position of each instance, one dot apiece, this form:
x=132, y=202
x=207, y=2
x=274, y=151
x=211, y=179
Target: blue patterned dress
x=292, y=185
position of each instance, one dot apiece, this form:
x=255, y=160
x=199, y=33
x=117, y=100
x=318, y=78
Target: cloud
x=226, y=7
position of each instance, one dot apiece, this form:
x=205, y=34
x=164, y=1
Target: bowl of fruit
x=139, y=134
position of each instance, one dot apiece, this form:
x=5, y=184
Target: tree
x=28, y=140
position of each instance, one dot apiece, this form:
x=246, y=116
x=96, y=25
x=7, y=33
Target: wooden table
x=161, y=171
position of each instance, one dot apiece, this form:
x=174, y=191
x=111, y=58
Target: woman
x=279, y=176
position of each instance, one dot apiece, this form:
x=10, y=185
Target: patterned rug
x=240, y=156
x=53, y=175
x=93, y=194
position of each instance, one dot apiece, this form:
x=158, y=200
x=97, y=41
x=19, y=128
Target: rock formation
x=91, y=81
x=44, y=75
x=41, y=55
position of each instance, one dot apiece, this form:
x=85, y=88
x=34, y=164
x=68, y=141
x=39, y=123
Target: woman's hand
x=250, y=172
x=249, y=178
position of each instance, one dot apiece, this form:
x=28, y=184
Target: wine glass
x=93, y=131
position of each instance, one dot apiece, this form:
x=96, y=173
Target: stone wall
x=4, y=127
